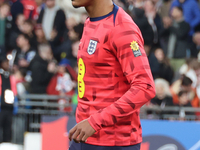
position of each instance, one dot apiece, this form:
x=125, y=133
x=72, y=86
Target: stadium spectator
x=39, y=32
x=43, y=68
x=16, y=30
x=134, y=8
x=16, y=9
x=28, y=29
x=184, y=84
x=164, y=9
x=165, y=71
x=71, y=36
x=188, y=70
x=22, y=85
x=197, y=72
x=154, y=20
x=52, y=19
x=142, y=22
x=74, y=36
x=163, y=96
x=162, y=99
x=5, y=26
x=195, y=45
x=183, y=101
x=40, y=6
x=176, y=36
x=25, y=53
x=62, y=83
x=75, y=48
x=196, y=40
x=8, y=99
x=29, y=9
x=191, y=12
x=164, y=12
x=70, y=23
x=19, y=22
x=76, y=32
x=153, y=62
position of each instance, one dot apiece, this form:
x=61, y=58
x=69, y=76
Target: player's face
x=81, y=3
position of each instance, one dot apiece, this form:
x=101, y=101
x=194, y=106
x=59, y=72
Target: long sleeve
x=127, y=44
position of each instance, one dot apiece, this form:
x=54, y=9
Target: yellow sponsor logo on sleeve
x=134, y=46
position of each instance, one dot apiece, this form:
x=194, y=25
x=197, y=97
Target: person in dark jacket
x=52, y=19
x=65, y=49
x=191, y=12
x=163, y=96
x=16, y=30
x=165, y=71
x=153, y=62
x=43, y=68
x=196, y=45
x=25, y=53
x=8, y=99
x=154, y=20
x=142, y=22
x=28, y=29
x=176, y=36
x=16, y=9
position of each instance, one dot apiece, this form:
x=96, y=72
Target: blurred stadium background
x=40, y=38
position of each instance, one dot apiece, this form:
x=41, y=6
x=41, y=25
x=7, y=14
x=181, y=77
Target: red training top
x=114, y=79
x=30, y=9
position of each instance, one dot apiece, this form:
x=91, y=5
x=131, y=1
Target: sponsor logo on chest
x=92, y=47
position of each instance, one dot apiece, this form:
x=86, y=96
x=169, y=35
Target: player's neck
x=99, y=8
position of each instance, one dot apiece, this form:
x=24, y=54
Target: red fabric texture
x=29, y=7
x=117, y=80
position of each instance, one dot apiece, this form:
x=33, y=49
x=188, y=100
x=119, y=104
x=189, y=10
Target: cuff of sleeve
x=94, y=123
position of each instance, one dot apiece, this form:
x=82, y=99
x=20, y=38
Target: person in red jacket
x=62, y=83
x=30, y=9
x=114, y=80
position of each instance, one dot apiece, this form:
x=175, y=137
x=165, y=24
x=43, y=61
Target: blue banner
x=170, y=135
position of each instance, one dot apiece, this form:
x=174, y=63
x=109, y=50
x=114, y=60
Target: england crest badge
x=92, y=47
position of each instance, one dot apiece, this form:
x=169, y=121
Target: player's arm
x=128, y=45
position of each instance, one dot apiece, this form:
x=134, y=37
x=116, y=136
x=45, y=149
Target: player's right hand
x=81, y=131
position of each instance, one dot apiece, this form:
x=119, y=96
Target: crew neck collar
x=114, y=11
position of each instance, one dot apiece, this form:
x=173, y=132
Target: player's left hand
x=81, y=131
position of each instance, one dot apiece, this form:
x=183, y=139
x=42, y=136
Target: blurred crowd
x=40, y=38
